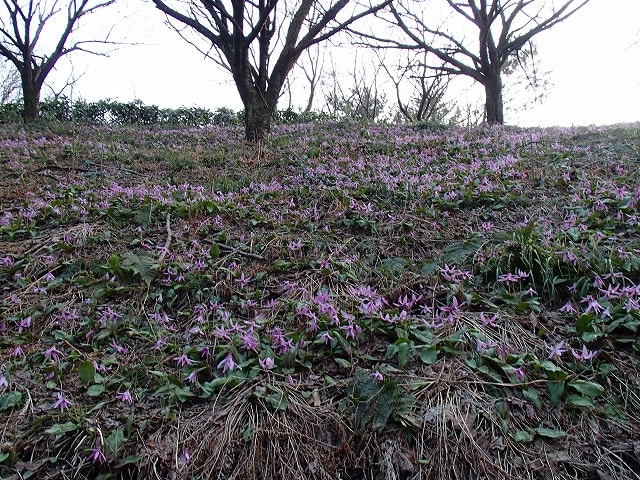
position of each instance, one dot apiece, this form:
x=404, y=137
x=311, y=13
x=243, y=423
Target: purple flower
x=326, y=337
x=192, y=377
x=266, y=363
x=488, y=322
x=184, y=458
x=48, y=277
x=118, y=348
x=584, y=355
x=228, y=364
x=96, y=455
x=24, y=323
x=568, y=307
x=53, y=354
x=377, y=376
x=518, y=373
x=125, y=397
x=556, y=351
x=183, y=360
x=482, y=346
x=61, y=402
x=242, y=280
x=593, y=304
x=3, y=381
x=108, y=314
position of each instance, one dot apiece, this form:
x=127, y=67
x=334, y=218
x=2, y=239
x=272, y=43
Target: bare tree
x=426, y=89
x=503, y=27
x=22, y=27
x=312, y=69
x=9, y=83
x=260, y=41
x=526, y=81
x=359, y=98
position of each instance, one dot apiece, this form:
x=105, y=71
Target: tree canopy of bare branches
x=260, y=41
x=24, y=25
x=502, y=28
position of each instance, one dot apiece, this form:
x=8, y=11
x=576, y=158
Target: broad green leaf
x=429, y=355
x=590, y=389
x=404, y=354
x=553, y=371
x=346, y=364
x=214, y=251
x=532, y=394
x=10, y=400
x=113, y=442
x=556, y=389
x=580, y=401
x=549, y=433
x=130, y=460
x=62, y=428
x=4, y=456
x=523, y=436
x=114, y=263
x=86, y=370
x=584, y=323
x=95, y=390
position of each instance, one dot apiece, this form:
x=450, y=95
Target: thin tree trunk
x=494, y=106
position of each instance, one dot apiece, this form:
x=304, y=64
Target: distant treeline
x=109, y=112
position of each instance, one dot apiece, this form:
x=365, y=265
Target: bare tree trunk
x=31, y=94
x=494, y=105
x=257, y=119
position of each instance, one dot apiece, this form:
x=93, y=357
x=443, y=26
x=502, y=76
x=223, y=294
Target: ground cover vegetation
x=359, y=302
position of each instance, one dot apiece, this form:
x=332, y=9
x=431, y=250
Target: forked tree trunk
x=494, y=105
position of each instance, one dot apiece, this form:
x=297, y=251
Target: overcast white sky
x=594, y=67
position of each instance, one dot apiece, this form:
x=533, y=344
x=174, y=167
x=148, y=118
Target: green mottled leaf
x=143, y=215
x=580, y=401
x=523, y=436
x=429, y=355
x=549, y=433
x=590, y=389
x=394, y=267
x=556, y=389
x=346, y=364
x=86, y=370
x=95, y=390
x=113, y=442
x=62, y=428
x=532, y=394
x=130, y=460
x=10, y=400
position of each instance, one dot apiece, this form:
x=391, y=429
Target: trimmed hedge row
x=108, y=112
